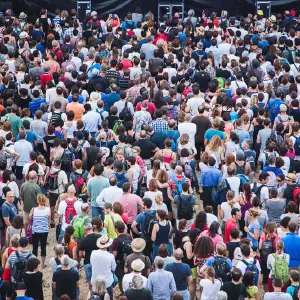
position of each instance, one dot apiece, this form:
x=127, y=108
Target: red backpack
x=296, y=195
x=70, y=212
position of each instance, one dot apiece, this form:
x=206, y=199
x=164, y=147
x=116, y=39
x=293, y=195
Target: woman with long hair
x=99, y=290
x=16, y=227
x=253, y=228
x=229, y=161
x=209, y=286
x=200, y=221
x=215, y=148
x=268, y=237
x=119, y=209
x=233, y=145
x=40, y=219
x=151, y=174
x=8, y=179
x=162, y=182
x=98, y=226
x=213, y=233
x=153, y=193
x=70, y=243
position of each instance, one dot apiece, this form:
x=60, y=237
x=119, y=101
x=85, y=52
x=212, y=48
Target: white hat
x=137, y=265
x=95, y=96
x=23, y=35
x=272, y=19
x=104, y=242
x=138, y=245
x=94, y=13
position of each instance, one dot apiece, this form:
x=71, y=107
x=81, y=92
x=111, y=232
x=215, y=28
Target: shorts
x=88, y=272
x=194, y=273
x=53, y=198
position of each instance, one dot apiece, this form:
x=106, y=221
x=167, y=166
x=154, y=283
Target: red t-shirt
x=44, y=78
x=228, y=226
x=151, y=108
x=126, y=64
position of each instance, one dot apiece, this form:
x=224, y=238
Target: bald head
x=178, y=254
x=178, y=170
x=32, y=175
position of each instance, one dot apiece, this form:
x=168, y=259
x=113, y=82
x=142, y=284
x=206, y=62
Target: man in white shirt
x=233, y=181
x=109, y=194
x=137, y=266
x=135, y=71
x=194, y=103
x=188, y=127
x=62, y=210
x=238, y=83
x=91, y=120
x=171, y=71
x=122, y=102
x=224, y=47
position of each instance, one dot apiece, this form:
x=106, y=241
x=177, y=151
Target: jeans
x=61, y=236
x=185, y=294
x=42, y=238
x=96, y=211
x=88, y=272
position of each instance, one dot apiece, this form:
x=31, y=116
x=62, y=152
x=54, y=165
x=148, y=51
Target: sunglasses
x=278, y=180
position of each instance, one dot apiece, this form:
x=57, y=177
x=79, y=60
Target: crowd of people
x=164, y=155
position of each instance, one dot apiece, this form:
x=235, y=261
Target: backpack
x=70, y=212
x=297, y=144
x=66, y=161
x=272, y=180
x=125, y=114
x=250, y=158
x=52, y=181
x=296, y=195
x=150, y=221
x=125, y=249
x=281, y=268
x=55, y=116
x=58, y=263
x=295, y=294
x=251, y=266
x=266, y=249
x=116, y=125
x=95, y=296
x=188, y=171
x=271, y=138
x=78, y=225
x=172, y=113
x=19, y=267
x=67, y=49
x=257, y=190
x=243, y=178
x=178, y=183
x=218, y=193
x=185, y=208
x=285, y=123
x=77, y=153
x=3, y=160
x=240, y=169
x=80, y=185
x=222, y=269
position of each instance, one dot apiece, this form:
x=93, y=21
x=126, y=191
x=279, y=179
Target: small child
x=294, y=287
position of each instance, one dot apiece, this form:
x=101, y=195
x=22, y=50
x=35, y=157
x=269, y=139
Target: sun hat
x=94, y=13
x=272, y=19
x=22, y=15
x=260, y=12
x=23, y=35
x=138, y=265
x=104, y=242
x=138, y=245
x=95, y=96
x=291, y=177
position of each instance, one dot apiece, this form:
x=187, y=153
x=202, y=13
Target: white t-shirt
x=62, y=209
x=234, y=183
x=108, y=195
x=209, y=289
x=13, y=187
x=190, y=129
x=26, y=168
x=194, y=103
x=243, y=267
x=127, y=280
x=271, y=262
x=227, y=210
x=152, y=195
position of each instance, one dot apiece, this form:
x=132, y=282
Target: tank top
x=12, y=231
x=245, y=207
x=168, y=159
x=185, y=260
x=162, y=236
x=240, y=169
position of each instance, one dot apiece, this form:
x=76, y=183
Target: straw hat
x=138, y=245
x=95, y=96
x=104, y=242
x=137, y=265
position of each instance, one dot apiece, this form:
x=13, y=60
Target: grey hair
x=59, y=249
x=232, y=50
x=137, y=282
x=191, y=13
x=188, y=117
x=65, y=260
x=178, y=170
x=99, y=286
x=192, y=63
x=221, y=295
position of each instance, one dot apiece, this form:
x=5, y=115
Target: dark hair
x=32, y=264
x=147, y=202
x=17, y=222
x=201, y=220
x=120, y=226
x=236, y=274
x=234, y=233
x=213, y=229
x=204, y=247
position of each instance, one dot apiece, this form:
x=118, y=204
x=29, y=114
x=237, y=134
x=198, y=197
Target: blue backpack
x=178, y=183
x=251, y=266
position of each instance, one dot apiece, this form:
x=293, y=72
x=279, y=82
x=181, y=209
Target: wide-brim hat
x=23, y=35
x=138, y=245
x=138, y=265
x=95, y=96
x=104, y=242
x=291, y=177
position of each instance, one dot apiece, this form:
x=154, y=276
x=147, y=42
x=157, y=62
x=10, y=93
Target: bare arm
x=154, y=231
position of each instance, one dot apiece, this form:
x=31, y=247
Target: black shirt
x=5, y=290
x=223, y=73
x=231, y=247
x=234, y=290
x=132, y=294
x=203, y=79
x=202, y=125
x=34, y=285
x=146, y=147
x=88, y=244
x=295, y=113
x=66, y=282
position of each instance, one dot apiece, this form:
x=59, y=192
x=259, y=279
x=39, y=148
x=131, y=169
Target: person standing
x=28, y=193
x=182, y=274
x=94, y=187
x=103, y=263
x=277, y=294
x=232, y=223
x=195, y=102
x=39, y=127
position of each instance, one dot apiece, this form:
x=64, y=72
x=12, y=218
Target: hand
x=246, y=229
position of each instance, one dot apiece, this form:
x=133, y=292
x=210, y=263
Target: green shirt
x=15, y=122
x=95, y=186
x=28, y=193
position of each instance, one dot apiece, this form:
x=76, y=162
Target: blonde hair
x=211, y=273
x=158, y=199
x=215, y=143
x=254, y=213
x=41, y=199
x=279, y=245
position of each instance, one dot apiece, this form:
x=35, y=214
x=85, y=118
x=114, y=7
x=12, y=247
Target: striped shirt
x=40, y=220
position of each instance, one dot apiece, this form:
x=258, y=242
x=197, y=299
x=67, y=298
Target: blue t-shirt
x=141, y=219
x=180, y=271
x=251, y=227
x=80, y=99
x=291, y=290
x=9, y=211
x=35, y=105
x=274, y=108
x=210, y=262
x=210, y=133
x=30, y=137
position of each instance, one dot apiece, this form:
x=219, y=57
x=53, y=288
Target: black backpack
x=266, y=249
x=51, y=182
x=295, y=295
x=55, y=116
x=66, y=161
x=19, y=267
x=125, y=114
x=125, y=249
x=185, y=208
x=150, y=221
x=221, y=268
x=257, y=189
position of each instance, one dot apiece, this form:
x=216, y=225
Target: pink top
x=291, y=154
x=263, y=237
x=130, y=203
x=217, y=239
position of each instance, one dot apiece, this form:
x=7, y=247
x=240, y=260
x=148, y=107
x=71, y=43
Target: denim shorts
x=88, y=271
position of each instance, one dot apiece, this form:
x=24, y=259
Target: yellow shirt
x=110, y=221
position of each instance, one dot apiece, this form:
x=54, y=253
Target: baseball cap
x=107, y=205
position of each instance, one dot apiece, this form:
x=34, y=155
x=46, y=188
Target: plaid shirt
x=69, y=32
x=159, y=125
x=133, y=92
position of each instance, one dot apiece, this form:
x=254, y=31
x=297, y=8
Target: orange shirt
x=77, y=108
